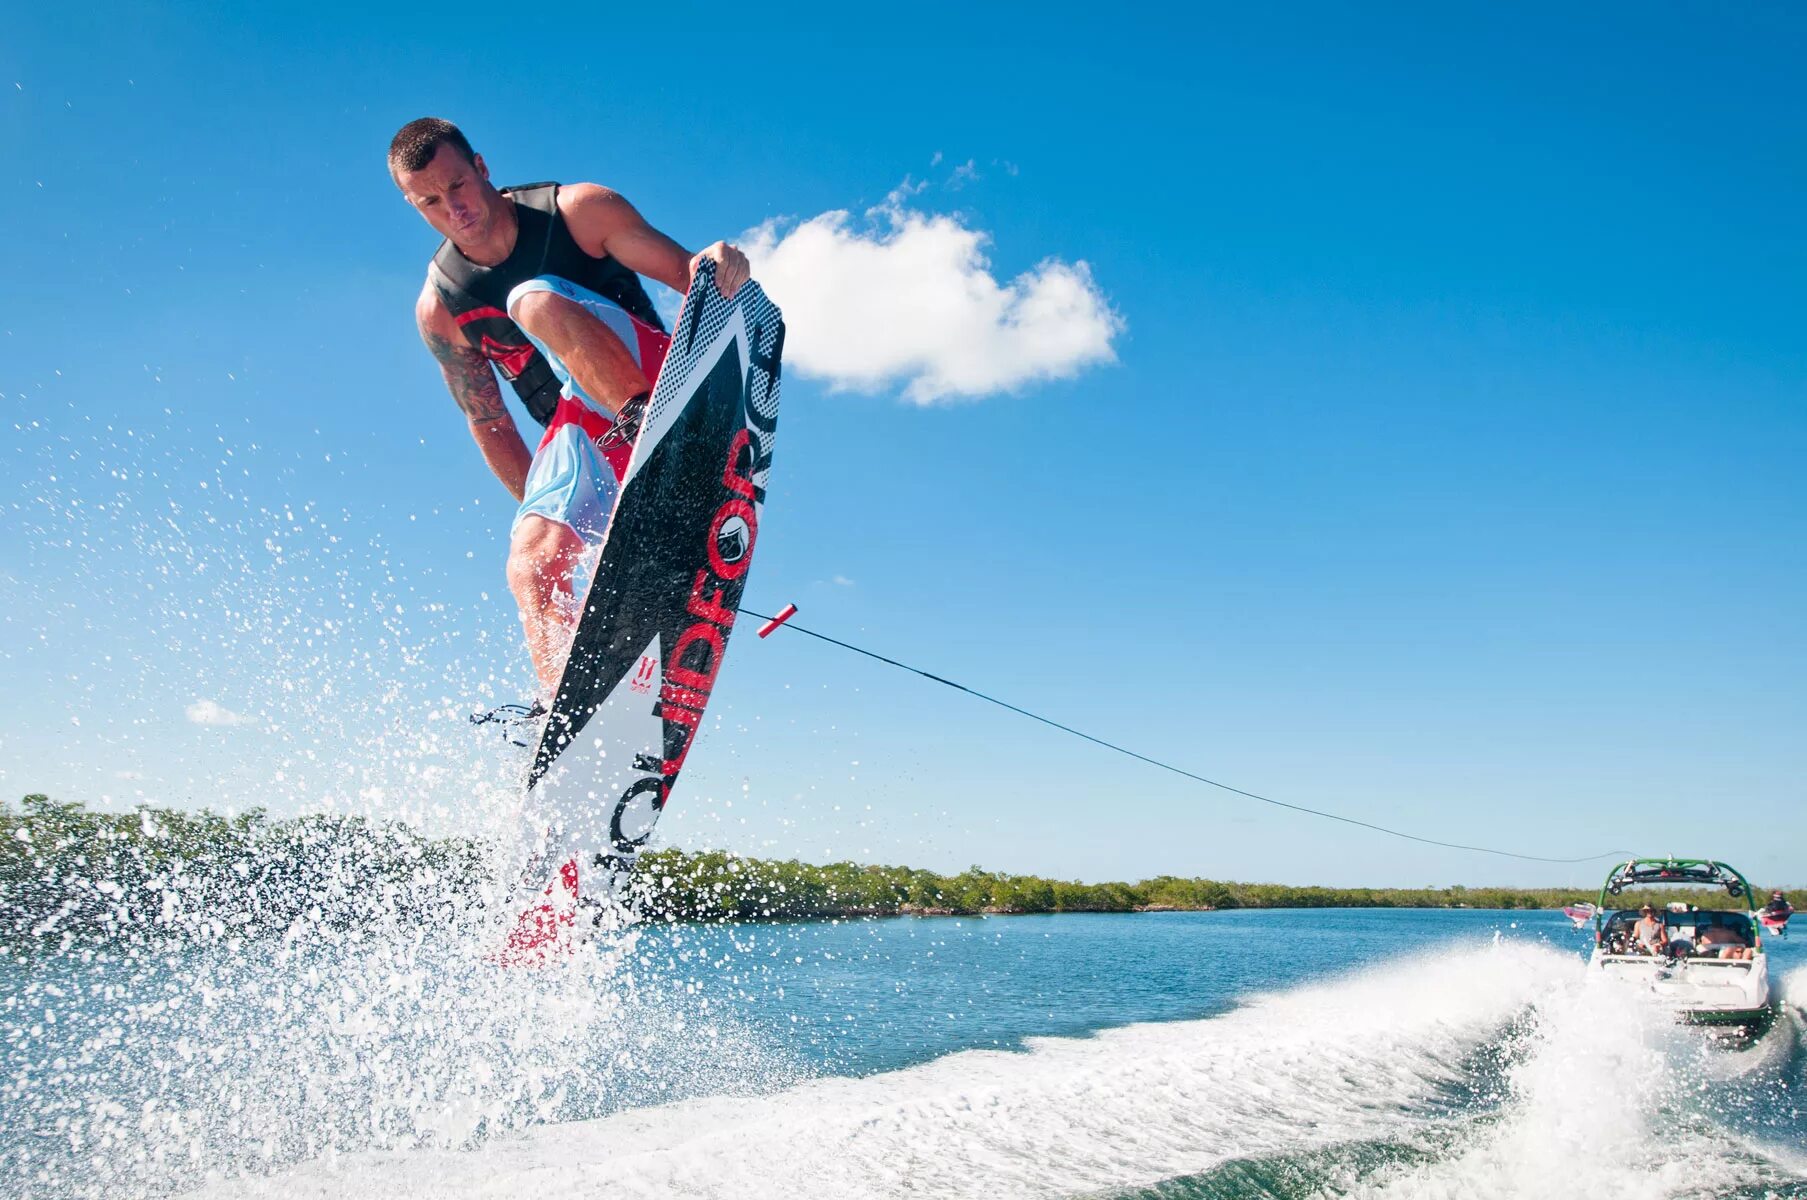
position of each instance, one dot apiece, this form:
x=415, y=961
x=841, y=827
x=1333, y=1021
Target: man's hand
x=731, y=268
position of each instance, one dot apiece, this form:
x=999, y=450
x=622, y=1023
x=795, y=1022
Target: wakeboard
x=1580, y=913
x=655, y=619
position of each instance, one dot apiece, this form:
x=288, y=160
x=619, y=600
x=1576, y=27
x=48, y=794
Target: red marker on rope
x=784, y=614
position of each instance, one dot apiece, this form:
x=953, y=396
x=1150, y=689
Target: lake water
x=1238, y=1054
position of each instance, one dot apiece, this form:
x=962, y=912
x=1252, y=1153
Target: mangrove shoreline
x=70, y=875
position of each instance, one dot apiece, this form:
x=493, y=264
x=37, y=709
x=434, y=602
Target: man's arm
x=603, y=222
x=472, y=382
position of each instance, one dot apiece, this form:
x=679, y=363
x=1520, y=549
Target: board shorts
x=571, y=481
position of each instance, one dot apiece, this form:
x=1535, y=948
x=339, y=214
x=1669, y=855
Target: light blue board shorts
x=570, y=481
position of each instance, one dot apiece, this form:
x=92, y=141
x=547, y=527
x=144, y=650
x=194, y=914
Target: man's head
x=432, y=163
x=1646, y=910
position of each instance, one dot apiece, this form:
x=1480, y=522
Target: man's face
x=454, y=194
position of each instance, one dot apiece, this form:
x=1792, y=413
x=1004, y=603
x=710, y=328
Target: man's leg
x=597, y=361
x=570, y=493
x=541, y=556
x=596, y=349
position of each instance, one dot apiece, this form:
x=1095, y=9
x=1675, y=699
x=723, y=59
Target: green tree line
x=68, y=874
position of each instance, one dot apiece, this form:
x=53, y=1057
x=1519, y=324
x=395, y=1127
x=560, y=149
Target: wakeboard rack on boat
x=1689, y=970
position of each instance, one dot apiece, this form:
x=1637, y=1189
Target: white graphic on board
x=601, y=787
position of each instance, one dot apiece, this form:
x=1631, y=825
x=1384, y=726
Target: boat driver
x=1651, y=935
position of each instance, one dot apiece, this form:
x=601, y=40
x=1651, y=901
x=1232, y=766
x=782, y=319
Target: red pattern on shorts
x=573, y=411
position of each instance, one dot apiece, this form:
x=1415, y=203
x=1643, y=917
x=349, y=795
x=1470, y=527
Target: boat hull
x=1725, y=994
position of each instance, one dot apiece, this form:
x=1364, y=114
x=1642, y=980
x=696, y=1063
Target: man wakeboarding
x=542, y=283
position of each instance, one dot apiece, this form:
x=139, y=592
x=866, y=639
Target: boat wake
x=1609, y=1094
x=1485, y=1071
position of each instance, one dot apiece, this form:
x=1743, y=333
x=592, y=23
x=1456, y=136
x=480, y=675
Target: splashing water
x=217, y=641
x=138, y=1073
x=208, y=637
x=398, y=1062
x=1483, y=1072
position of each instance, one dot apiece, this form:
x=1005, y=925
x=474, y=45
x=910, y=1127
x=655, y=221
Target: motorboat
x=1708, y=965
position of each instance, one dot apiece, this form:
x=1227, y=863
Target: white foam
x=1360, y=1058
x=219, y=1063
x=1791, y=989
x=1610, y=1096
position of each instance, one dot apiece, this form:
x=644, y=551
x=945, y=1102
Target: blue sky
x=1446, y=471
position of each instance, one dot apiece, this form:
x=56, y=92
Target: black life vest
x=477, y=297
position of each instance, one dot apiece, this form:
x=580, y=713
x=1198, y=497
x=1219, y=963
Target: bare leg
x=541, y=556
x=542, y=553
x=598, y=361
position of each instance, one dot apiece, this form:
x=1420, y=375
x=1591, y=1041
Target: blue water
x=879, y=995
x=1279, y=1053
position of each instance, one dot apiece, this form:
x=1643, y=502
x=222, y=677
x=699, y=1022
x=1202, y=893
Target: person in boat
x=543, y=282
x=1722, y=941
x=1649, y=935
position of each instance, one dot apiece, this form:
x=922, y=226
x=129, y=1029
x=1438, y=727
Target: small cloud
x=908, y=190
x=213, y=713
x=667, y=303
x=908, y=298
x=130, y=775
x=842, y=581
x=967, y=172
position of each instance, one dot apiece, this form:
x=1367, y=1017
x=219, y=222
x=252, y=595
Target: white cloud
x=211, y=712
x=842, y=581
x=908, y=298
x=667, y=303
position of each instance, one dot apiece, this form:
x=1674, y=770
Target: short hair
x=415, y=143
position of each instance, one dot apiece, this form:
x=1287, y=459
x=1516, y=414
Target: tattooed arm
x=472, y=382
